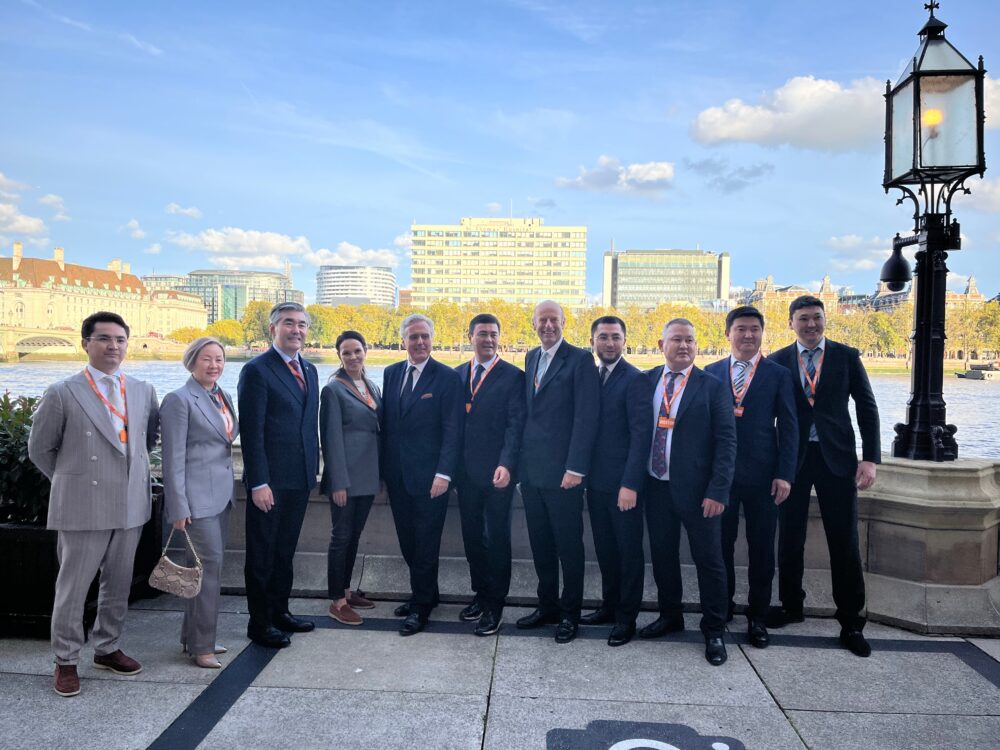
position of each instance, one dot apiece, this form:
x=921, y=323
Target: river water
x=971, y=403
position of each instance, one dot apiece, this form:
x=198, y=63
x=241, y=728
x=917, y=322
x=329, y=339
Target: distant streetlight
x=933, y=143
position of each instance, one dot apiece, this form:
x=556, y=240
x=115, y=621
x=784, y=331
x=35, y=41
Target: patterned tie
x=604, y=374
x=293, y=365
x=740, y=375
x=407, y=392
x=113, y=388
x=659, y=460
x=543, y=365
x=811, y=369
x=478, y=376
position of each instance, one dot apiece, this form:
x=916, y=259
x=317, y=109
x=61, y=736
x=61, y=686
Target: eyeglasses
x=104, y=339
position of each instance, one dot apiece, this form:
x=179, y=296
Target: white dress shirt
x=800, y=351
x=674, y=407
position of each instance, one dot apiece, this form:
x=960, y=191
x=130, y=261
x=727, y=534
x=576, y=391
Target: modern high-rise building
x=519, y=260
x=227, y=293
x=356, y=285
x=647, y=278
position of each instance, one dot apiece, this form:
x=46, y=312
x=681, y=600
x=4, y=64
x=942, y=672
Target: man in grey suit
x=91, y=437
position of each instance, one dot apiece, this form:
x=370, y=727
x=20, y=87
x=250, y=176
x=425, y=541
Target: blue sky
x=187, y=135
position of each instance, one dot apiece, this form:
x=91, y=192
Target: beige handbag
x=174, y=579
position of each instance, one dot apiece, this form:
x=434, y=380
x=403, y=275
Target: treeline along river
x=972, y=404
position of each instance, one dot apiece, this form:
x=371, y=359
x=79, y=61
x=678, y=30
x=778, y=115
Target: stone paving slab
x=114, y=714
x=990, y=645
x=867, y=731
x=516, y=723
x=322, y=719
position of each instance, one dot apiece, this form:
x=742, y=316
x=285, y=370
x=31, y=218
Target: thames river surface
x=971, y=403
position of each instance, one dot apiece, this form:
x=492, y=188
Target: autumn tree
x=187, y=334
x=256, y=322
x=228, y=331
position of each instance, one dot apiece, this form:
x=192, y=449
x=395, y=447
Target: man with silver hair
x=422, y=413
x=279, y=430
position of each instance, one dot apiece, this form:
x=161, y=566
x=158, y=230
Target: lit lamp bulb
x=930, y=119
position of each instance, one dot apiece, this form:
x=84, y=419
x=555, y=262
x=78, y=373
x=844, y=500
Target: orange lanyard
x=226, y=418
x=367, y=397
x=814, y=381
x=122, y=433
x=741, y=394
x=474, y=391
x=677, y=390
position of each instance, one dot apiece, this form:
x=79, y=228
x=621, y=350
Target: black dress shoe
x=402, y=610
x=270, y=637
x=621, y=634
x=290, y=624
x=758, y=634
x=489, y=623
x=778, y=617
x=662, y=625
x=715, y=651
x=536, y=619
x=566, y=631
x=412, y=625
x=471, y=613
x=598, y=617
x=855, y=642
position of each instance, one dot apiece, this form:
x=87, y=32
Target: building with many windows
x=226, y=294
x=519, y=260
x=765, y=292
x=647, y=278
x=356, y=285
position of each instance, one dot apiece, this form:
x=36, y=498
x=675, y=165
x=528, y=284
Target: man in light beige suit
x=91, y=436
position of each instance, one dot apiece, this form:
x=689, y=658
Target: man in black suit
x=767, y=441
x=829, y=375
x=279, y=412
x=422, y=412
x=616, y=479
x=494, y=419
x=691, y=466
x=562, y=390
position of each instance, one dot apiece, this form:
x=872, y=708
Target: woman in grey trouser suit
x=198, y=428
x=350, y=407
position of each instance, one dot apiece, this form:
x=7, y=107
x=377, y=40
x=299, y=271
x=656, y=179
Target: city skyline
x=231, y=137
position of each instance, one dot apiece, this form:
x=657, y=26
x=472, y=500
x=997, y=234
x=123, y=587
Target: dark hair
x=348, y=335
x=608, y=320
x=91, y=321
x=483, y=319
x=806, y=300
x=746, y=311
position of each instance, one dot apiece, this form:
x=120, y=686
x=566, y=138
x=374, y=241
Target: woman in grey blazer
x=198, y=428
x=349, y=412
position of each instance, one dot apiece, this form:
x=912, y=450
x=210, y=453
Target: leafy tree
x=256, y=322
x=228, y=331
x=187, y=334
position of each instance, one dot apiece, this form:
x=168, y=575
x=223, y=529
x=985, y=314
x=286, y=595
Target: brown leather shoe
x=359, y=602
x=345, y=615
x=67, y=681
x=118, y=663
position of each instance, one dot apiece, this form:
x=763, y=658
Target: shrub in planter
x=24, y=490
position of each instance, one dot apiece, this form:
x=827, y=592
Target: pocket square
x=427, y=395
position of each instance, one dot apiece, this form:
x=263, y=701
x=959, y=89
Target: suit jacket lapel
x=284, y=374
x=206, y=407
x=423, y=383
x=690, y=390
x=554, y=365
x=95, y=409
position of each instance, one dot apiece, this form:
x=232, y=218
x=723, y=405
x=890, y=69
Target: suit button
x=94, y=482
x=93, y=458
x=89, y=433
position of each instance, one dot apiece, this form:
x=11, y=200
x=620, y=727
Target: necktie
x=407, y=392
x=543, y=365
x=293, y=364
x=478, y=376
x=659, y=461
x=113, y=388
x=811, y=370
x=604, y=374
x=739, y=375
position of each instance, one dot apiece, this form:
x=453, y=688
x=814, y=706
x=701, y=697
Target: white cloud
x=177, y=209
x=609, y=174
x=232, y=247
x=991, y=102
x=149, y=49
x=135, y=231
x=985, y=196
x=153, y=249
x=805, y=112
x=404, y=240
x=13, y=221
x=10, y=186
x=56, y=202
x=348, y=254
x=494, y=207
x=852, y=252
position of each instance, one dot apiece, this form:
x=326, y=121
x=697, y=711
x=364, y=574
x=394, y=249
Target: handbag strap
x=197, y=560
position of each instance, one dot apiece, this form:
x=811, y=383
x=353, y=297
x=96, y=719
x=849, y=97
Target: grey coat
x=349, y=434
x=96, y=485
x=197, y=453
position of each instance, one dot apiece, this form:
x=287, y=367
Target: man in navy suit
x=691, y=466
x=279, y=412
x=828, y=375
x=767, y=441
x=422, y=412
x=562, y=391
x=616, y=479
x=494, y=419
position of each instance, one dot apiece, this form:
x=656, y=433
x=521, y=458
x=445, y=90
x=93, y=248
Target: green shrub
x=24, y=490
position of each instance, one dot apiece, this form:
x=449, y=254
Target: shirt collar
x=99, y=376
x=283, y=355
x=753, y=359
x=821, y=346
x=486, y=365
x=555, y=347
x=686, y=371
x=420, y=367
x=612, y=366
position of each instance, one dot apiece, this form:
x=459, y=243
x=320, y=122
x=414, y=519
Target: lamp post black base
x=925, y=442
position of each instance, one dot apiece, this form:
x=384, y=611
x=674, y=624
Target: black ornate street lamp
x=933, y=143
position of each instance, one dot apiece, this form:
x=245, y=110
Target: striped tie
x=811, y=369
x=659, y=457
x=740, y=375
x=543, y=365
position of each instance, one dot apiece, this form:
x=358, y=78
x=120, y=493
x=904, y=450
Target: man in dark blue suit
x=616, y=479
x=828, y=375
x=562, y=391
x=691, y=466
x=279, y=413
x=494, y=420
x=767, y=441
x=422, y=412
